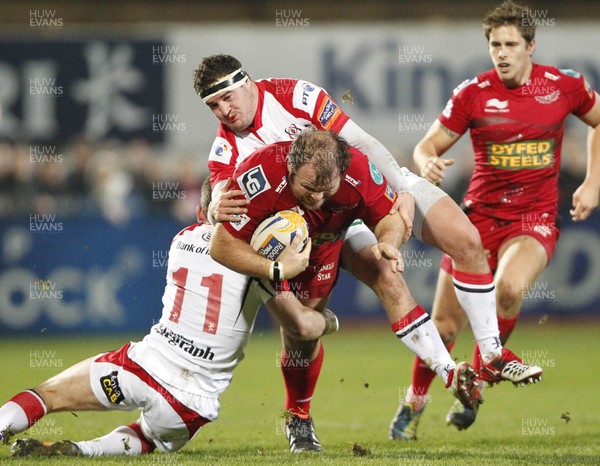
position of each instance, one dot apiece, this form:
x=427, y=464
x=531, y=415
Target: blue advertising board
x=88, y=275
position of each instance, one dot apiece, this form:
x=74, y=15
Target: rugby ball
x=277, y=232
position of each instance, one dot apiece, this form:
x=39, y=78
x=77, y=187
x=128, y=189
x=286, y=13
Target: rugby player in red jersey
x=330, y=184
x=253, y=114
x=516, y=115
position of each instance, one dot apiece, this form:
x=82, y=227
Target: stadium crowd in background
x=115, y=180
x=120, y=181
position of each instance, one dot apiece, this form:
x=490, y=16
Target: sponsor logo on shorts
x=254, y=182
x=328, y=266
x=521, y=155
x=327, y=237
x=322, y=276
x=110, y=386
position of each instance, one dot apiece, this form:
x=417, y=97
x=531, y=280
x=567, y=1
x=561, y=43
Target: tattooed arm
x=428, y=151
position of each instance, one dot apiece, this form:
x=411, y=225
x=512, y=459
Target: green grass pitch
x=365, y=373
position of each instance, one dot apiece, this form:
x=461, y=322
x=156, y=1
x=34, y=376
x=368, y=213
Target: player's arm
x=389, y=232
x=237, y=255
x=386, y=164
x=428, y=151
x=585, y=198
x=222, y=161
x=377, y=153
x=298, y=321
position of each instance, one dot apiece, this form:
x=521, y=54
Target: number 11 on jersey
x=214, y=283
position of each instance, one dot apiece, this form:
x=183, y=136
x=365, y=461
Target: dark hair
x=326, y=150
x=510, y=14
x=211, y=69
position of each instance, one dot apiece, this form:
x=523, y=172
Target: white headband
x=226, y=83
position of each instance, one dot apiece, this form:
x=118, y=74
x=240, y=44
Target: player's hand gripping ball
x=277, y=232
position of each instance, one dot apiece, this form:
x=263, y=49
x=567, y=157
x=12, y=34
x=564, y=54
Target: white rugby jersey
x=285, y=108
x=207, y=318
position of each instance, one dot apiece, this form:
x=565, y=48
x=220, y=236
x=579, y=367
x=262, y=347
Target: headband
x=226, y=83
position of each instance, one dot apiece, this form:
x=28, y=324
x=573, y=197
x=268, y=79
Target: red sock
x=422, y=376
x=147, y=445
x=32, y=405
x=476, y=363
x=300, y=381
x=506, y=325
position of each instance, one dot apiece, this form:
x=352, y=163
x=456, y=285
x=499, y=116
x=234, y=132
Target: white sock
x=21, y=412
x=418, y=333
x=477, y=296
x=13, y=417
x=121, y=441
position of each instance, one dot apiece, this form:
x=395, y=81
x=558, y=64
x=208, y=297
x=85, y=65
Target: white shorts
x=426, y=194
x=169, y=418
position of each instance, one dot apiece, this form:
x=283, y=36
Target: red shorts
x=320, y=276
x=495, y=232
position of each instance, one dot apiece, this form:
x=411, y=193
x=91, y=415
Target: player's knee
x=48, y=394
x=467, y=246
x=448, y=328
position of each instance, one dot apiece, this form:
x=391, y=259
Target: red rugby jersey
x=517, y=137
x=363, y=193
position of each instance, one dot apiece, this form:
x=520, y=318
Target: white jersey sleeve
x=377, y=153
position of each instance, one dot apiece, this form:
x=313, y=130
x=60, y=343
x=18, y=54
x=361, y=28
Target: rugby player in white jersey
x=253, y=114
x=177, y=372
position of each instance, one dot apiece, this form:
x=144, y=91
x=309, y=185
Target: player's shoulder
x=296, y=95
x=473, y=86
x=361, y=170
x=263, y=170
x=563, y=77
x=224, y=145
x=278, y=150
x=285, y=85
x=194, y=234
